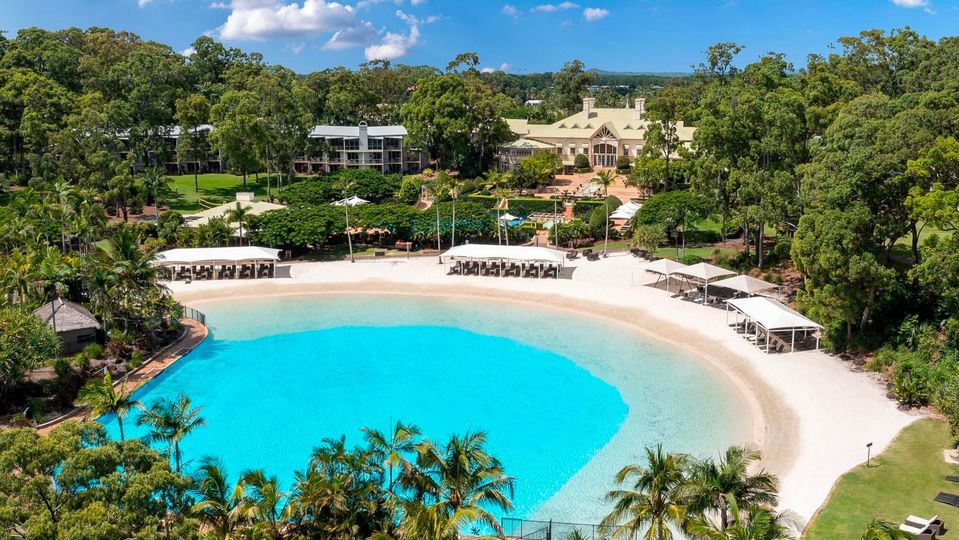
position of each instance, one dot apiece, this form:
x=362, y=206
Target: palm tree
x=392, y=451
x=170, y=422
x=262, y=502
x=434, y=522
x=654, y=499
x=463, y=480
x=153, y=179
x=102, y=397
x=755, y=523
x=713, y=483
x=19, y=275
x=218, y=505
x=494, y=183
x=882, y=530
x=239, y=215
x=63, y=194
x=605, y=179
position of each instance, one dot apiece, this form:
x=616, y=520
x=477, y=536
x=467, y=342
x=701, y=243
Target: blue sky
x=517, y=36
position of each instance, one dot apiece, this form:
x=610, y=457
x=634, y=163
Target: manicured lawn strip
x=214, y=188
x=901, y=481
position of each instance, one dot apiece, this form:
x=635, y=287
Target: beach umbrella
x=746, y=284
x=706, y=272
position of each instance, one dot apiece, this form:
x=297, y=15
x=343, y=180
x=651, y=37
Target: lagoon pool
x=565, y=399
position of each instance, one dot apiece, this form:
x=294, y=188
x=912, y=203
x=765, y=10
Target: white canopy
x=507, y=217
x=746, y=284
x=216, y=255
x=772, y=315
x=509, y=253
x=350, y=201
x=664, y=267
x=705, y=271
x=626, y=211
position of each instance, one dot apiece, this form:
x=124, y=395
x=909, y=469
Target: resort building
x=74, y=324
x=331, y=148
x=601, y=134
x=209, y=160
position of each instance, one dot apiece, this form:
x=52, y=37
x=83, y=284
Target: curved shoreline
x=812, y=414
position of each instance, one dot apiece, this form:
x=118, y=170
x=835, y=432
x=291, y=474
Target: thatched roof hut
x=74, y=323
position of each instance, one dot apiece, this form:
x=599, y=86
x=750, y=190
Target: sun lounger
x=918, y=532
x=934, y=524
x=952, y=478
x=948, y=498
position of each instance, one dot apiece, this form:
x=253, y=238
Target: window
x=352, y=144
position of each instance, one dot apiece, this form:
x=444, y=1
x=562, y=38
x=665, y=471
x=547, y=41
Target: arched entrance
x=603, y=148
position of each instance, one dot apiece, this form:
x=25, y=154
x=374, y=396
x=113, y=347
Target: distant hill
x=641, y=73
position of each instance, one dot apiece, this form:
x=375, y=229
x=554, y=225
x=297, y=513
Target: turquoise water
x=565, y=400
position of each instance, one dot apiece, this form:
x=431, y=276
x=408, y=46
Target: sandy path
x=812, y=416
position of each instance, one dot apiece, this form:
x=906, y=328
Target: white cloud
x=550, y=8
x=393, y=45
x=594, y=14
x=142, y=3
x=297, y=48
x=219, y=5
x=188, y=52
x=504, y=67
x=510, y=9
x=262, y=19
x=911, y=3
x=355, y=36
x=415, y=3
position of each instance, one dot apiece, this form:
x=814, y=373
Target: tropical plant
x=392, y=450
x=712, y=484
x=756, y=523
x=882, y=530
x=219, y=506
x=170, y=421
x=239, y=215
x=605, y=178
x=103, y=397
x=651, y=500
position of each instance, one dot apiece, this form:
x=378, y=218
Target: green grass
x=705, y=252
x=214, y=188
x=901, y=481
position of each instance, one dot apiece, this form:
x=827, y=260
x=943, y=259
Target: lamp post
x=868, y=453
x=349, y=238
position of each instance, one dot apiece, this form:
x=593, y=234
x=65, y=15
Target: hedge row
x=583, y=209
x=524, y=206
x=488, y=201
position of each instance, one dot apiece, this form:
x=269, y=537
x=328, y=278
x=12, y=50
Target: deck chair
x=934, y=524
x=948, y=498
x=923, y=533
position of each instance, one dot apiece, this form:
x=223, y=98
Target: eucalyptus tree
x=192, y=112
x=170, y=421
x=238, y=129
x=103, y=397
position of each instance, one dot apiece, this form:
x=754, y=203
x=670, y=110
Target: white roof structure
x=216, y=255
x=509, y=253
x=772, y=315
x=507, y=217
x=664, y=267
x=255, y=208
x=746, y=284
x=626, y=210
x=353, y=132
x=705, y=271
x=352, y=200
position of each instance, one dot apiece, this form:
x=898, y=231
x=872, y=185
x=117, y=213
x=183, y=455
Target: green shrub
x=136, y=360
x=38, y=408
x=648, y=237
x=597, y=218
x=581, y=162
x=584, y=209
x=488, y=201
x=623, y=163
x=690, y=259
x=576, y=229
x=524, y=206
x=409, y=191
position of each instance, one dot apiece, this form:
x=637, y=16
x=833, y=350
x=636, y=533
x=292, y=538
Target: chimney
x=364, y=140
x=588, y=105
x=640, y=113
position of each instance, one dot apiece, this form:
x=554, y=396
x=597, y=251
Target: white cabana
x=626, y=211
x=199, y=262
x=508, y=217
x=705, y=272
x=350, y=201
x=745, y=284
x=505, y=253
x=772, y=316
x=665, y=268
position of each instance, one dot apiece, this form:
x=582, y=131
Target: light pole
x=349, y=238
x=868, y=453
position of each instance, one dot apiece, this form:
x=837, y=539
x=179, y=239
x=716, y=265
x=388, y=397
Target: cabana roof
x=626, y=210
x=664, y=267
x=70, y=315
x=350, y=201
x=746, y=284
x=510, y=253
x=772, y=315
x=704, y=271
x=216, y=255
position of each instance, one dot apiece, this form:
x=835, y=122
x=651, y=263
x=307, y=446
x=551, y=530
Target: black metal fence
x=195, y=314
x=525, y=529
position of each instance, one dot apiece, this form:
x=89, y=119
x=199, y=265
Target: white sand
x=813, y=415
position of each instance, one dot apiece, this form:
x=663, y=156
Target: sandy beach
x=812, y=415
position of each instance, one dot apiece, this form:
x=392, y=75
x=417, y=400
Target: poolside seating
x=922, y=533
x=592, y=257
x=952, y=478
x=933, y=524
x=572, y=254
x=947, y=498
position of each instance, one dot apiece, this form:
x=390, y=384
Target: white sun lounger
x=919, y=532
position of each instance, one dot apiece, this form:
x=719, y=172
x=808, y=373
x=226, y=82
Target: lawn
x=901, y=481
x=214, y=189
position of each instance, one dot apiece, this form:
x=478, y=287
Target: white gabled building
x=601, y=134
